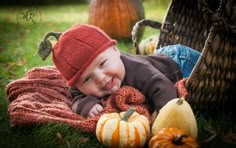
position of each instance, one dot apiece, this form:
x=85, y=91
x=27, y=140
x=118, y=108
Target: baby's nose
x=100, y=77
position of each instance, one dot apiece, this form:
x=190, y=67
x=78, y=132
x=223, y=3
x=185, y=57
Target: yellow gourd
x=125, y=129
x=176, y=113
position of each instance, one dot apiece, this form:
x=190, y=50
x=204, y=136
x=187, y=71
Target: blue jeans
x=185, y=57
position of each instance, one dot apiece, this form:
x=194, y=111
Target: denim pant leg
x=185, y=57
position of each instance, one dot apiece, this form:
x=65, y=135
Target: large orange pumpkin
x=116, y=17
x=172, y=138
x=125, y=129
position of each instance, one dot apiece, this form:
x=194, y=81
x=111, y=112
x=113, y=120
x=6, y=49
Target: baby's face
x=104, y=75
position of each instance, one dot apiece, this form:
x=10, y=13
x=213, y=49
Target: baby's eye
x=102, y=63
x=86, y=79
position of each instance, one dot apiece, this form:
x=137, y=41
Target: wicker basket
x=208, y=26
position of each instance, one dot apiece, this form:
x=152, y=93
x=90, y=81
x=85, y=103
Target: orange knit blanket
x=42, y=96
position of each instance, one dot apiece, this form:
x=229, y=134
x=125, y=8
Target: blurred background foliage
x=41, y=2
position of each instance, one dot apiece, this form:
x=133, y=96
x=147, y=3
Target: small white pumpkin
x=125, y=129
x=147, y=46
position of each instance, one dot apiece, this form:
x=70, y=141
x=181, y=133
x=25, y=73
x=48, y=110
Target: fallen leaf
x=84, y=140
x=230, y=137
x=211, y=137
x=61, y=140
x=21, y=62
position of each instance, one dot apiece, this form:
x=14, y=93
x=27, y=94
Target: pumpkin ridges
x=116, y=17
x=101, y=127
x=134, y=117
x=124, y=138
x=160, y=138
x=147, y=131
x=137, y=118
x=114, y=126
x=119, y=133
x=129, y=17
x=104, y=15
x=139, y=130
x=143, y=132
x=136, y=138
x=110, y=125
x=116, y=136
x=168, y=135
x=132, y=15
x=103, y=124
x=131, y=138
x=160, y=143
x=112, y=19
x=174, y=131
x=163, y=139
x=188, y=140
x=153, y=139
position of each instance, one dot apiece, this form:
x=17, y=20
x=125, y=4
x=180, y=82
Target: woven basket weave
x=208, y=26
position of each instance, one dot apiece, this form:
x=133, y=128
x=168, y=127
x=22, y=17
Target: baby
x=95, y=68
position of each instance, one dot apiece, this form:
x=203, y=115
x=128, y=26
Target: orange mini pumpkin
x=125, y=129
x=172, y=138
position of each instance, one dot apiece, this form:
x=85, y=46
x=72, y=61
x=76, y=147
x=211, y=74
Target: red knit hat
x=77, y=48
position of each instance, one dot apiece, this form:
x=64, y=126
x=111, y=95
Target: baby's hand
x=95, y=110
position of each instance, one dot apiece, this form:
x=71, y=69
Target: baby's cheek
x=117, y=87
x=98, y=93
x=88, y=89
x=93, y=91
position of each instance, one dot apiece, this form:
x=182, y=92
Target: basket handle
x=138, y=25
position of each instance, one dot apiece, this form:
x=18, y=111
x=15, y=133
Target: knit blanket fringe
x=42, y=97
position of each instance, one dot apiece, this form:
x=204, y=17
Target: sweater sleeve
x=155, y=86
x=159, y=90
x=150, y=76
x=81, y=104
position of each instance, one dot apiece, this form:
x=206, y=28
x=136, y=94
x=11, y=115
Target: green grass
x=18, y=54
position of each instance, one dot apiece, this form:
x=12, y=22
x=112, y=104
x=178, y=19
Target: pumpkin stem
x=180, y=101
x=128, y=113
x=178, y=140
